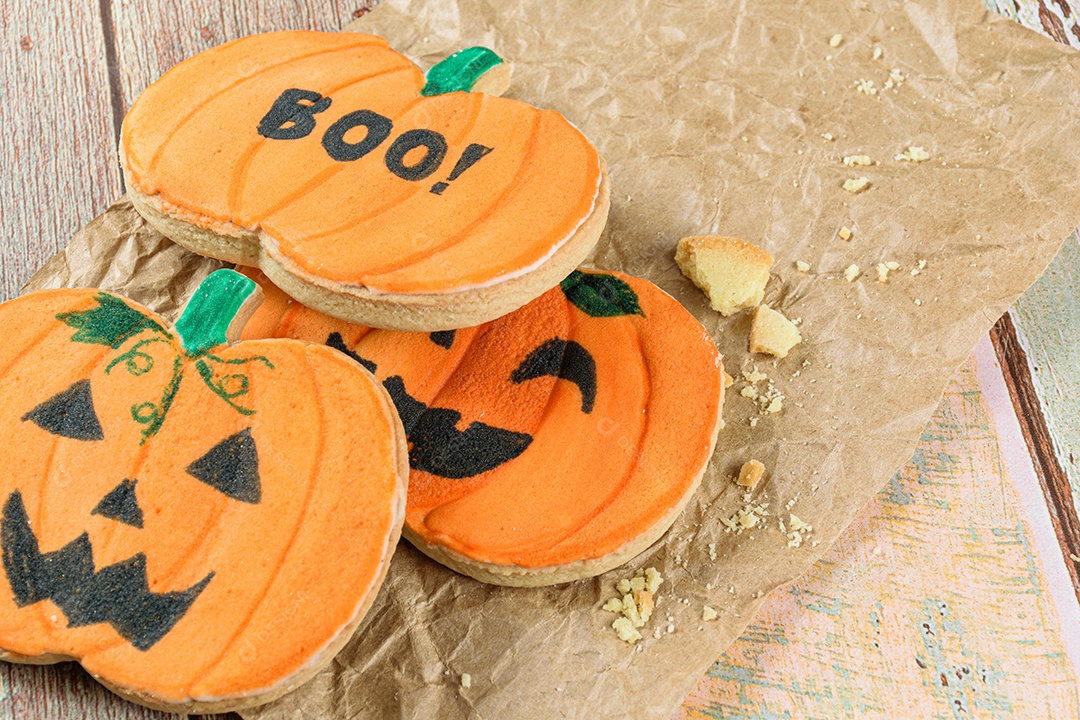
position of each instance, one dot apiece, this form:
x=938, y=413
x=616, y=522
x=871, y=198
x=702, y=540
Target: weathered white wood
x=56, y=131
x=154, y=35
x=60, y=692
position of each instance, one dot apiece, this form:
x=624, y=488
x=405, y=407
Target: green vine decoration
x=137, y=362
x=220, y=386
x=153, y=414
x=112, y=322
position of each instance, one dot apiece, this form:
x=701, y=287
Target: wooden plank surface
x=56, y=147
x=153, y=35
x=933, y=604
x=1044, y=323
x=1048, y=322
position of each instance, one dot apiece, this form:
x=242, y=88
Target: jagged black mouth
x=438, y=447
x=117, y=594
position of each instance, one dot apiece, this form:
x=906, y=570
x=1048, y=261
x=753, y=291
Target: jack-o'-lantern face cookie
x=361, y=188
x=200, y=525
x=552, y=444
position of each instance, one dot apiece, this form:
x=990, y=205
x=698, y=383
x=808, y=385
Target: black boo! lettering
x=292, y=117
x=288, y=119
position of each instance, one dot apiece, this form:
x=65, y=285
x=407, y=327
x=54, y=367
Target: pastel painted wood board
x=551, y=444
x=360, y=187
x=169, y=498
x=1048, y=318
x=937, y=602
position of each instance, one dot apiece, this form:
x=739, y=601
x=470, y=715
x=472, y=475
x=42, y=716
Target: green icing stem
x=208, y=314
x=460, y=71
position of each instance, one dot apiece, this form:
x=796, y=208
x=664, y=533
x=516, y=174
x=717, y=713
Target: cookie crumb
x=466, y=680
x=728, y=380
x=796, y=531
x=845, y=233
x=653, y=580
x=636, y=604
x=625, y=630
x=853, y=160
x=802, y=266
x=731, y=271
x=856, y=185
x=913, y=154
x=884, y=268
x=866, y=87
x=749, y=392
x=878, y=53
x=707, y=614
x=26, y=43
x=754, y=376
x=827, y=136
x=772, y=333
x=851, y=272
x=746, y=517
x=750, y=473
x=770, y=400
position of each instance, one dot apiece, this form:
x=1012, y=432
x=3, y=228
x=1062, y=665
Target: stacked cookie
x=427, y=360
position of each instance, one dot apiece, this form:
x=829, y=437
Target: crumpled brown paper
x=711, y=116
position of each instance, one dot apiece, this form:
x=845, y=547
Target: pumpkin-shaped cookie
x=361, y=188
x=552, y=444
x=200, y=525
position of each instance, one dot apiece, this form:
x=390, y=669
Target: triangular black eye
x=69, y=414
x=120, y=504
x=231, y=466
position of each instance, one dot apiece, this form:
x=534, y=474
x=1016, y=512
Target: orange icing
x=290, y=571
x=588, y=482
x=191, y=140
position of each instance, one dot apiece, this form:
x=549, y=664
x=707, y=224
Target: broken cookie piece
x=750, y=473
x=772, y=333
x=731, y=271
